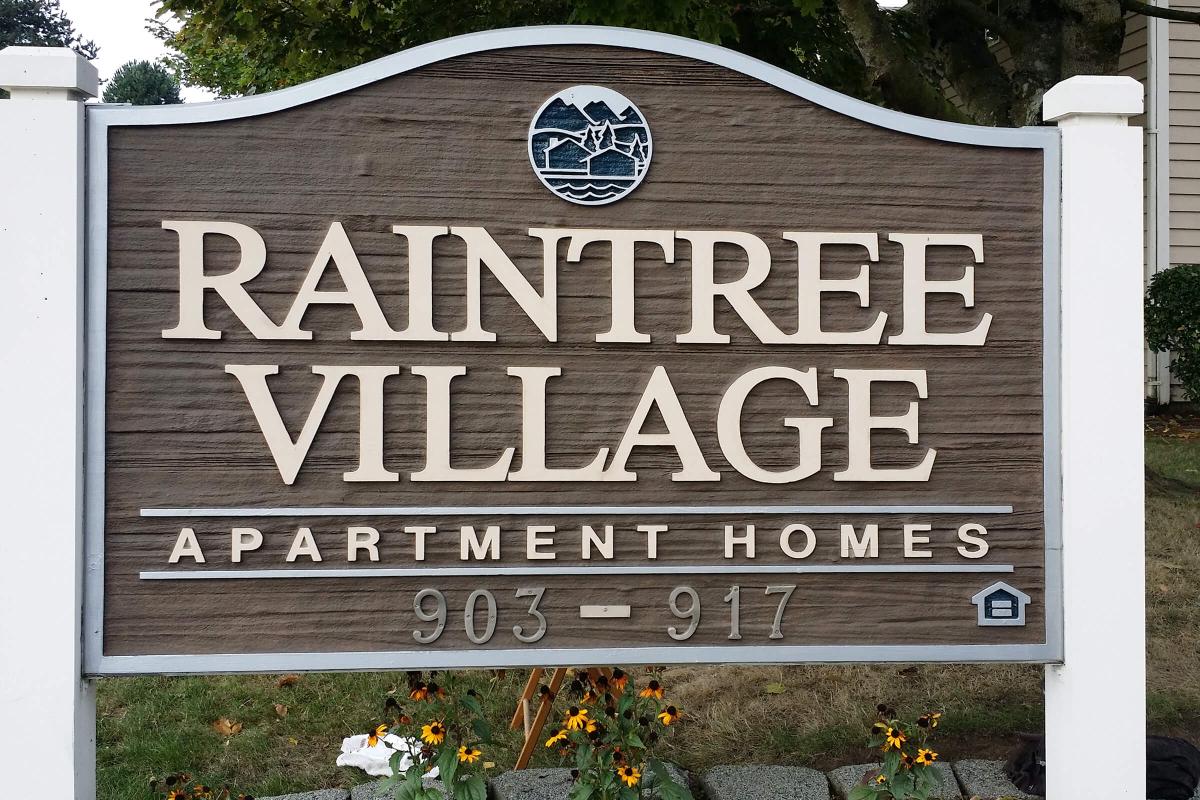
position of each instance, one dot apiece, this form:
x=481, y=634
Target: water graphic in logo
x=589, y=145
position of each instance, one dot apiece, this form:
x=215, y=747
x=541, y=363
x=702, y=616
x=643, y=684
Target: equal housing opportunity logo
x=590, y=145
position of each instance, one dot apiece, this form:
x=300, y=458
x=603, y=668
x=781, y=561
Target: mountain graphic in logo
x=589, y=145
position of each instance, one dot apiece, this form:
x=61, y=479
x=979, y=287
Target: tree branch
x=889, y=67
x=969, y=65
x=1138, y=7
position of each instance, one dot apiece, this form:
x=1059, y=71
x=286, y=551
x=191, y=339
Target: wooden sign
x=568, y=346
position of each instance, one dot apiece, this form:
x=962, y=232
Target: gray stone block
x=843, y=780
x=322, y=794
x=532, y=784
x=549, y=784
x=987, y=781
x=377, y=790
x=764, y=783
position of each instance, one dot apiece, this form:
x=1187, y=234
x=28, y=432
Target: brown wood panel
x=446, y=145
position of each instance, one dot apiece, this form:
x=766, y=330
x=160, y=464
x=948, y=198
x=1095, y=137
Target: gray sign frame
x=100, y=117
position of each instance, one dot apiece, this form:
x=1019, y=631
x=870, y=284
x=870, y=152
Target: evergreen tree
x=142, y=83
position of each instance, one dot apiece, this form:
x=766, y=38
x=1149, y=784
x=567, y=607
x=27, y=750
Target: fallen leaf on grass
x=281, y=710
x=287, y=680
x=292, y=741
x=227, y=727
x=774, y=688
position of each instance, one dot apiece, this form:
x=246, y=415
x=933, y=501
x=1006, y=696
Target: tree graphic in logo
x=589, y=145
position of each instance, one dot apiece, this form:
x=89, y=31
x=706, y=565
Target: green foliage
x=40, y=23
x=142, y=83
x=1173, y=322
x=904, y=58
x=249, y=46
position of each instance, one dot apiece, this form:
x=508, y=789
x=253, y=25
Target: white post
x=1102, y=681
x=48, y=737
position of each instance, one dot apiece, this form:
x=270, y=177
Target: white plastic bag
x=374, y=759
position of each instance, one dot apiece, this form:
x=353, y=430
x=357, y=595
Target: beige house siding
x=1185, y=138
x=1135, y=63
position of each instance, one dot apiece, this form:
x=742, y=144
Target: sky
x=119, y=28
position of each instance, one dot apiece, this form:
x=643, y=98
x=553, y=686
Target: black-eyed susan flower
x=591, y=726
x=419, y=692
x=879, y=728
x=202, y=792
x=377, y=733
x=926, y=757
x=177, y=794
x=906, y=760
x=619, y=679
x=653, y=689
x=576, y=718
x=894, y=738
x=629, y=775
x=881, y=778
x=433, y=733
x=929, y=720
x=669, y=716
x=469, y=755
x=557, y=738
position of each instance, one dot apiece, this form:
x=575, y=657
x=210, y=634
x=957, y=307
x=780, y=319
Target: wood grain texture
x=445, y=145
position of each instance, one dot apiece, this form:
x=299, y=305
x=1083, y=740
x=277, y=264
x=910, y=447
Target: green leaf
x=473, y=788
x=472, y=704
x=447, y=764
x=581, y=791
x=664, y=784
x=861, y=793
x=482, y=730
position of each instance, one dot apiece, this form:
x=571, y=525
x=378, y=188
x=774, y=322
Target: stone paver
x=764, y=783
x=987, y=781
x=323, y=794
x=377, y=791
x=843, y=780
x=549, y=784
x=532, y=784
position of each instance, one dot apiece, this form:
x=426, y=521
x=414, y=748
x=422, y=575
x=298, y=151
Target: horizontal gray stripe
x=454, y=511
x=452, y=572
x=196, y=664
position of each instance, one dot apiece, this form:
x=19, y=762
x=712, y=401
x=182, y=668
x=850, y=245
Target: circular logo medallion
x=589, y=145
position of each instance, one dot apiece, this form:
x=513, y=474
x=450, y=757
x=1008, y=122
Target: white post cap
x=1093, y=95
x=48, y=69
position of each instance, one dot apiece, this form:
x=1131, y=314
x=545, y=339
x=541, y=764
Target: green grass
x=810, y=715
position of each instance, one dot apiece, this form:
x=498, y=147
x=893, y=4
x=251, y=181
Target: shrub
x=1173, y=322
